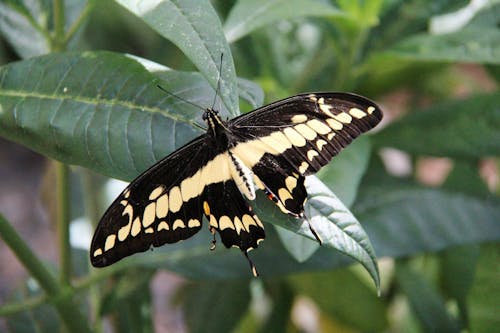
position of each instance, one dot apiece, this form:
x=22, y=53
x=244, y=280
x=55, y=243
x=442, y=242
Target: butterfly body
x=217, y=174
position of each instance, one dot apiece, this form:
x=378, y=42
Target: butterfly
x=217, y=174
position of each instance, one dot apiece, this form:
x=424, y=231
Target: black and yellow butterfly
x=271, y=148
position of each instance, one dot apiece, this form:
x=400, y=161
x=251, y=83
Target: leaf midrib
x=91, y=101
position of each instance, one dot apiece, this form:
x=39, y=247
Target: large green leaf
x=408, y=220
x=96, y=109
x=101, y=110
x=476, y=45
x=194, y=27
x=426, y=303
x=459, y=128
x=249, y=15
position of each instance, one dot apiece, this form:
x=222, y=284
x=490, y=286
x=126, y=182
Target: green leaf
x=427, y=305
x=194, y=27
x=484, y=296
x=344, y=296
x=468, y=45
x=249, y=15
x=214, y=306
x=459, y=128
x=343, y=174
x=200, y=91
x=407, y=220
x=96, y=109
x=301, y=248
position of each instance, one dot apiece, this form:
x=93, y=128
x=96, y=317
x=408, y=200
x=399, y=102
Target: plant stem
x=60, y=296
x=63, y=217
x=79, y=21
x=58, y=41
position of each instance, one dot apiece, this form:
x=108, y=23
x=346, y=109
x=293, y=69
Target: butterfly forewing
x=288, y=139
x=163, y=205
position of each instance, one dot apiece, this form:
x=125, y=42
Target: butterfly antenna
x=314, y=232
x=178, y=97
x=218, y=81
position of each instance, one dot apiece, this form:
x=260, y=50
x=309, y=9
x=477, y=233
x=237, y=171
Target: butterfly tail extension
x=313, y=230
x=255, y=273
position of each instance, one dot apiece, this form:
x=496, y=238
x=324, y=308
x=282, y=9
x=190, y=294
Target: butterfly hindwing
x=231, y=215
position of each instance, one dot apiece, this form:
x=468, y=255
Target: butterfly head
x=214, y=122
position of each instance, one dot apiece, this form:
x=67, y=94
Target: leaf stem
x=58, y=41
x=79, y=21
x=63, y=217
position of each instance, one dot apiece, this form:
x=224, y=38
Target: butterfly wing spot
x=334, y=124
x=136, y=227
x=163, y=226
x=175, y=199
x=213, y=222
x=97, y=252
x=178, y=224
x=193, y=223
x=225, y=223
x=357, y=113
x=149, y=230
x=149, y=215
x=284, y=195
x=306, y=131
x=291, y=183
x=319, y=126
x=370, y=109
x=343, y=118
x=299, y=118
x=206, y=208
x=156, y=192
x=110, y=242
x=311, y=154
x=162, y=206
x=320, y=143
x=326, y=109
x=303, y=167
x=248, y=221
x=238, y=226
x=294, y=137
